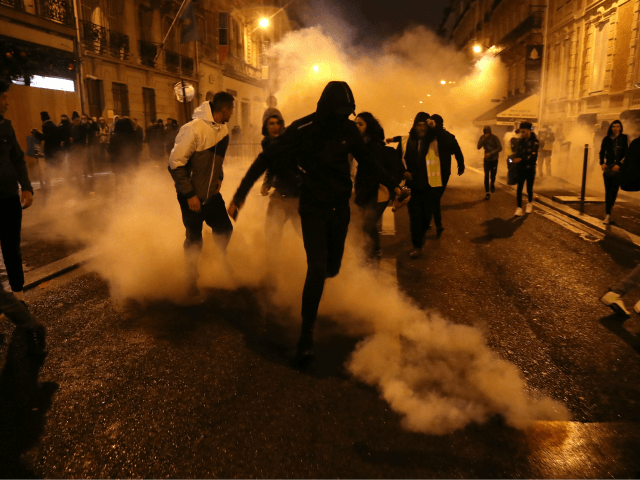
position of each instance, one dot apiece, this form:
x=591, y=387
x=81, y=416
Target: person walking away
x=122, y=151
x=13, y=174
x=139, y=136
x=442, y=146
x=285, y=181
x=104, y=134
x=546, y=140
x=195, y=164
x=524, y=160
x=78, y=147
x=612, y=150
x=155, y=140
x=371, y=196
x=492, y=148
x=51, y=138
x=322, y=142
x=93, y=137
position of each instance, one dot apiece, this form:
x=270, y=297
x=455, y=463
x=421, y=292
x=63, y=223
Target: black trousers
x=525, y=175
x=214, y=214
x=324, y=231
x=490, y=170
x=611, y=187
x=371, y=213
x=10, y=226
x=422, y=207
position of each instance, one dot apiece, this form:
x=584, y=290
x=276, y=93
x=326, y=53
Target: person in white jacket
x=195, y=164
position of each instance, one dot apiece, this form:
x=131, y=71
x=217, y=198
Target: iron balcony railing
x=171, y=61
x=97, y=39
x=186, y=65
x=59, y=11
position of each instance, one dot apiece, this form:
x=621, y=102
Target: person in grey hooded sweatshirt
x=322, y=142
x=195, y=164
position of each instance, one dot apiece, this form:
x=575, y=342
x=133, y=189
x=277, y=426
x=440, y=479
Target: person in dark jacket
x=155, y=140
x=170, y=133
x=79, y=135
x=371, y=196
x=413, y=149
x=123, y=149
x=13, y=173
x=139, y=136
x=285, y=181
x=322, y=143
x=492, y=147
x=444, y=148
x=524, y=160
x=52, y=146
x=612, y=150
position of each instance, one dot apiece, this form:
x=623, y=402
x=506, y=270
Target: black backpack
x=630, y=169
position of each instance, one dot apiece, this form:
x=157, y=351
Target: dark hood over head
x=270, y=113
x=439, y=121
x=420, y=117
x=336, y=99
x=610, y=131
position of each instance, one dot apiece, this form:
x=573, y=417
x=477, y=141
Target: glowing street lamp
x=443, y=82
x=264, y=23
x=477, y=48
x=316, y=68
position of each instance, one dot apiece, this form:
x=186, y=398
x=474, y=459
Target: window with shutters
x=149, y=100
x=95, y=97
x=120, y=99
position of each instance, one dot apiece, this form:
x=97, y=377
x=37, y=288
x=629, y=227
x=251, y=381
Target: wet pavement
x=163, y=390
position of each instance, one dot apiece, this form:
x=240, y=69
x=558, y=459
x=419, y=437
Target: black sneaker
x=493, y=188
x=439, y=231
x=36, y=343
x=487, y=196
x=302, y=358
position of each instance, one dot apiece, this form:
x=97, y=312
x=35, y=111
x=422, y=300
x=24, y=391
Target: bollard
x=584, y=177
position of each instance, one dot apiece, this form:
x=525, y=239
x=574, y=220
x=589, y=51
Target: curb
x=587, y=220
x=35, y=277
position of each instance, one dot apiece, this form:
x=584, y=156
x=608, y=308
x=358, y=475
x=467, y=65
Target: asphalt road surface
x=164, y=390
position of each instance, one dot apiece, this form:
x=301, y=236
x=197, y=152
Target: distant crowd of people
x=86, y=144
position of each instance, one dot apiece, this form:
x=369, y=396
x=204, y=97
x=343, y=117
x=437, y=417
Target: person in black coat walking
x=525, y=158
x=371, y=196
x=51, y=137
x=123, y=149
x=612, y=150
x=492, y=147
x=322, y=143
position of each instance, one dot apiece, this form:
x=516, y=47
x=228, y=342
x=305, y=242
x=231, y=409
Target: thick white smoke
x=440, y=376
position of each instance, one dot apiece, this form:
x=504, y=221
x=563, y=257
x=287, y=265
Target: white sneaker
x=607, y=220
x=529, y=207
x=518, y=212
x=615, y=303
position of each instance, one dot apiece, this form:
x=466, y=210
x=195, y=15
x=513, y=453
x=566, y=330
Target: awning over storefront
x=512, y=110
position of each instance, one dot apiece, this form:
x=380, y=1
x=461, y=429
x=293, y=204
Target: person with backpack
x=612, y=150
x=371, y=196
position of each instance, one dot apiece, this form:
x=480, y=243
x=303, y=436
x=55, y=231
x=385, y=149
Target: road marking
x=388, y=222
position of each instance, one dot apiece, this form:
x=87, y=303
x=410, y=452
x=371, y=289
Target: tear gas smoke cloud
x=439, y=376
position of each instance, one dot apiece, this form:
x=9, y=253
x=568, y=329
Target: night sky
x=374, y=20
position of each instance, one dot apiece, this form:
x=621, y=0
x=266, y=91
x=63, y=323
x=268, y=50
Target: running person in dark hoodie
x=321, y=142
x=492, y=147
x=196, y=167
x=525, y=158
x=283, y=202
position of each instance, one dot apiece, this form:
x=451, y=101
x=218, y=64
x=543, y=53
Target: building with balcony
x=38, y=44
x=593, y=68
x=512, y=30
x=125, y=71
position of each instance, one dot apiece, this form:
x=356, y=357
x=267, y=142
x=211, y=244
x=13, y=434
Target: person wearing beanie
x=13, y=174
x=492, y=147
x=525, y=158
x=321, y=142
x=286, y=181
x=413, y=150
x=51, y=138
